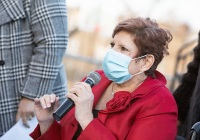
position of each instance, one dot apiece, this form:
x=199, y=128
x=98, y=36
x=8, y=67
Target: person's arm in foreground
x=49, y=27
x=46, y=105
x=44, y=108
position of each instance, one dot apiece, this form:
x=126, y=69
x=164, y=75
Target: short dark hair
x=148, y=37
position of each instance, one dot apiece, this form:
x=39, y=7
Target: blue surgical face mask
x=115, y=66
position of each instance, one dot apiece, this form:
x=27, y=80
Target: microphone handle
x=68, y=104
x=64, y=108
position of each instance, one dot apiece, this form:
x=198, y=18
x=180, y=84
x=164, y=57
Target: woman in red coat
x=131, y=102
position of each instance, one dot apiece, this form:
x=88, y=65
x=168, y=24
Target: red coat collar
x=123, y=99
x=147, y=86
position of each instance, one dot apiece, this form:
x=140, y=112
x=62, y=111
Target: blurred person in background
x=130, y=102
x=187, y=95
x=33, y=40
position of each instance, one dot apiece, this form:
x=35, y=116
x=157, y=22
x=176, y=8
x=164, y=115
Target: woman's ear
x=148, y=62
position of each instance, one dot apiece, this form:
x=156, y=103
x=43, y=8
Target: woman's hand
x=83, y=98
x=25, y=111
x=44, y=108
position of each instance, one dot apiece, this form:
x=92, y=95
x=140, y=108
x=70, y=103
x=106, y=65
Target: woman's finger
x=52, y=98
x=56, y=105
x=32, y=114
x=43, y=102
x=76, y=90
x=73, y=97
x=25, y=120
x=47, y=100
x=37, y=101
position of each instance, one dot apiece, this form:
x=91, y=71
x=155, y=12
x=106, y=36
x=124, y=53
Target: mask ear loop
x=140, y=57
x=137, y=73
x=140, y=71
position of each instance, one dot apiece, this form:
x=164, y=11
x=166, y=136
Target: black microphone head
x=94, y=76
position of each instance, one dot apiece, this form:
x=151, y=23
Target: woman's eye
x=112, y=45
x=124, y=49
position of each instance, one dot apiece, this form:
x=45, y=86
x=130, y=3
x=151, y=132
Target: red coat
x=148, y=113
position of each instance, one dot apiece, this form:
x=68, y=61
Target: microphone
x=92, y=79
